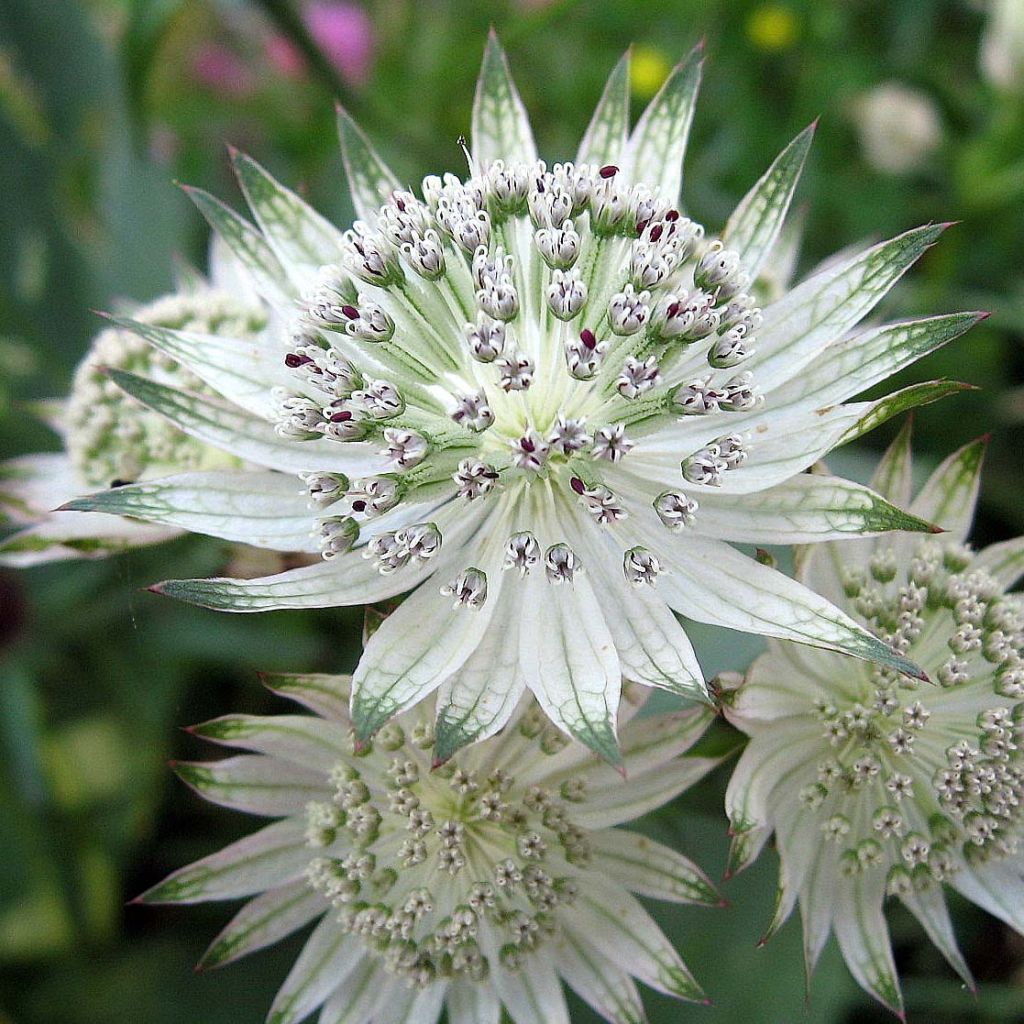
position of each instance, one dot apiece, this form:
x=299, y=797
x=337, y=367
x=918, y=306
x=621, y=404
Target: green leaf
x=800, y=326
x=233, y=430
x=267, y=510
x=893, y=477
x=650, y=869
x=951, y=493
x=860, y=361
x=501, y=126
x=328, y=959
x=658, y=143
x=254, y=784
x=570, y=663
x=302, y=240
x=900, y=402
x=370, y=180
x=270, y=857
x=346, y=580
x=264, y=921
x=248, y=246
x=805, y=509
x=608, y=131
x=311, y=743
x=754, y=225
x=327, y=695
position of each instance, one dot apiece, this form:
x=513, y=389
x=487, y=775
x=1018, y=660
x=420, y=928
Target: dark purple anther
x=656, y=232
x=577, y=485
x=527, y=445
x=588, y=338
x=608, y=171
x=672, y=310
x=359, y=506
x=341, y=417
x=293, y=360
x=672, y=216
x=351, y=312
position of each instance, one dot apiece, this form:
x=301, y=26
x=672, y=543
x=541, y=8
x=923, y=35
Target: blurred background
x=105, y=103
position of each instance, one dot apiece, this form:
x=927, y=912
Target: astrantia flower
x=542, y=401
x=110, y=438
x=473, y=886
x=876, y=784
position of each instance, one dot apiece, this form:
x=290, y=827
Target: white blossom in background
x=109, y=438
x=473, y=886
x=899, y=127
x=541, y=401
x=879, y=785
x=1001, y=57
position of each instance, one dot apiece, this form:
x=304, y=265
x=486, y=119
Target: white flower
x=899, y=127
x=111, y=439
x=876, y=784
x=1002, y=45
x=582, y=376
x=471, y=886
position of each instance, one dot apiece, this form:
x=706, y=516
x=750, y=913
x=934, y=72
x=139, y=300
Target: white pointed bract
x=876, y=784
x=112, y=439
x=473, y=885
x=553, y=353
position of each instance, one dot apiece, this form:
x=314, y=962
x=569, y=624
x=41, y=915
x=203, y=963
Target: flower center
x=921, y=782
x=439, y=869
x=525, y=324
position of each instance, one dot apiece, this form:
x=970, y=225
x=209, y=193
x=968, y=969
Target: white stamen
x=611, y=443
x=469, y=589
x=569, y=435
x=405, y=448
x=530, y=451
x=561, y=564
x=474, y=478
x=640, y=567
x=522, y=552
x=473, y=411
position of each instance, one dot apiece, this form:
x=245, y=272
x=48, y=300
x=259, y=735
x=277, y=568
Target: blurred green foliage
x=102, y=104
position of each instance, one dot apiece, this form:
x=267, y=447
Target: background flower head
x=476, y=886
x=876, y=785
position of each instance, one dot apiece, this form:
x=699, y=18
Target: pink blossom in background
x=222, y=70
x=285, y=56
x=342, y=31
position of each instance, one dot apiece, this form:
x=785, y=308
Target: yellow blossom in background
x=773, y=27
x=647, y=70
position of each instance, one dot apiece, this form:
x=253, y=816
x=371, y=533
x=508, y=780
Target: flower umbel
x=112, y=439
x=473, y=885
x=874, y=784
x=544, y=396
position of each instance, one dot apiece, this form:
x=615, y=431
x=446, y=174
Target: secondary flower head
x=542, y=400
x=876, y=784
x=470, y=886
x=111, y=439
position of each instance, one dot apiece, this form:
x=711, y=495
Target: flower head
x=876, y=784
x=547, y=369
x=899, y=127
x=112, y=439
x=471, y=885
